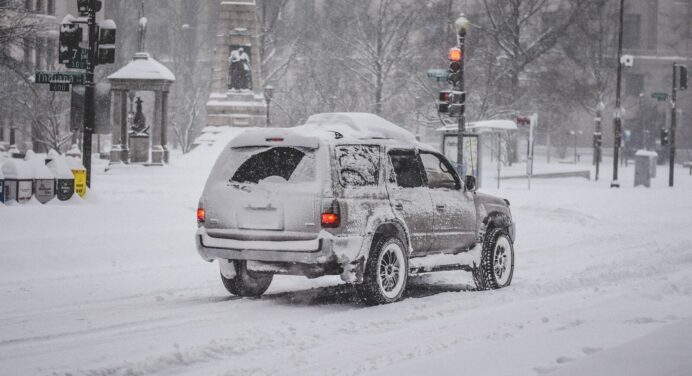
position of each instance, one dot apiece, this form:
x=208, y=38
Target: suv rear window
x=359, y=165
x=280, y=164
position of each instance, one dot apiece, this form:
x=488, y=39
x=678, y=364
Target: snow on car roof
x=357, y=125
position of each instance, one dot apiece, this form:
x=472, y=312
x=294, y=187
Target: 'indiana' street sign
x=46, y=77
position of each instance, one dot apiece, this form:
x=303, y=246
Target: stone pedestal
x=139, y=148
x=246, y=107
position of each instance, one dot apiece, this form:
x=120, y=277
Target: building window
x=51, y=53
x=51, y=7
x=631, y=30
x=28, y=53
x=29, y=4
x=634, y=84
x=39, y=58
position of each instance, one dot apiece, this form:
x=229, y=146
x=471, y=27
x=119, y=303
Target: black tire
x=385, y=276
x=246, y=283
x=497, y=261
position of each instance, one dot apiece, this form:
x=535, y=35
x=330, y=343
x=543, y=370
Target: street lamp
x=268, y=94
x=461, y=25
x=598, y=136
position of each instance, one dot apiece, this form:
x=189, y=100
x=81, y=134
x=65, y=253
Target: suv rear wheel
x=247, y=283
x=386, y=272
x=497, y=261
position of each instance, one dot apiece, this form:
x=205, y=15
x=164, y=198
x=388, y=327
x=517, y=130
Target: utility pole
x=461, y=25
x=89, y=111
x=617, y=118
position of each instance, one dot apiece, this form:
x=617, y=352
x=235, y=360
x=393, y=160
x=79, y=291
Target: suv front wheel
x=386, y=272
x=497, y=261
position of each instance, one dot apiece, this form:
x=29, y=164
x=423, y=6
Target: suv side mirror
x=470, y=183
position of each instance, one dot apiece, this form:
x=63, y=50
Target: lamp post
x=461, y=25
x=598, y=136
x=268, y=94
x=617, y=118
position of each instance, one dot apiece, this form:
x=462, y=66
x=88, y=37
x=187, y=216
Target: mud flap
x=353, y=272
x=227, y=268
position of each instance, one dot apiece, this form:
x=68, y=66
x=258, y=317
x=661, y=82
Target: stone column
x=116, y=151
x=157, y=152
x=124, y=132
x=164, y=125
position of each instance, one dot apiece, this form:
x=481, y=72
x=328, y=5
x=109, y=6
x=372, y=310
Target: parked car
x=347, y=194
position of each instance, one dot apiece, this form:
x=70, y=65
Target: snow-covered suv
x=347, y=194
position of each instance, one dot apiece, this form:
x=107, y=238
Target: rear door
x=409, y=197
x=265, y=193
x=454, y=212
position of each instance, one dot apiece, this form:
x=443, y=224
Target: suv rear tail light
x=200, y=215
x=331, y=216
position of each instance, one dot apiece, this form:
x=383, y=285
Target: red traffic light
x=455, y=54
x=523, y=121
x=444, y=95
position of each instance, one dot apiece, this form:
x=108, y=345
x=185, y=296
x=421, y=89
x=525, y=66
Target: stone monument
x=237, y=97
x=140, y=142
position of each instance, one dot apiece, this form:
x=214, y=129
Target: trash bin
x=19, y=183
x=643, y=170
x=79, y=173
x=44, y=180
x=64, y=180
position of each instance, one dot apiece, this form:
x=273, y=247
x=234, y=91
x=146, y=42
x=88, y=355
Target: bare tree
x=184, y=127
x=47, y=113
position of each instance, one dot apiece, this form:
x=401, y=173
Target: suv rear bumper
x=325, y=249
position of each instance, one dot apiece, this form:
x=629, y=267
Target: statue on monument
x=140, y=120
x=239, y=70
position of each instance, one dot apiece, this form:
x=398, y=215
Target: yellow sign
x=80, y=186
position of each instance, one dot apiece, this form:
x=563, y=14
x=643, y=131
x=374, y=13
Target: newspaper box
x=64, y=180
x=79, y=173
x=19, y=184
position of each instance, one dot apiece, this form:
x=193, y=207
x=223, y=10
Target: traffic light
x=457, y=103
x=665, y=136
x=597, y=140
x=70, y=37
x=682, y=77
x=455, y=57
x=443, y=101
x=106, y=42
x=523, y=121
x=83, y=7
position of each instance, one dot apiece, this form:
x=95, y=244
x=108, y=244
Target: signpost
x=439, y=75
x=661, y=97
x=78, y=58
x=59, y=86
x=46, y=77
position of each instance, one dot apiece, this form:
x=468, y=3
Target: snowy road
x=113, y=286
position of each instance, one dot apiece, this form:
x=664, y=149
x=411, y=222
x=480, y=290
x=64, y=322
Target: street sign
x=47, y=77
x=660, y=96
x=78, y=58
x=59, y=86
x=438, y=75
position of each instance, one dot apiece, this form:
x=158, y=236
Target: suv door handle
x=398, y=206
x=440, y=206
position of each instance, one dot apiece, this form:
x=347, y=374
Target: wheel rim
x=390, y=269
x=502, y=261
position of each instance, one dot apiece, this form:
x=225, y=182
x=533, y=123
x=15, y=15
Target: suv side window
x=407, y=168
x=439, y=172
x=359, y=165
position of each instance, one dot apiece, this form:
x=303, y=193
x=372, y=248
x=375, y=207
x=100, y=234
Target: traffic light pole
x=673, y=124
x=461, y=39
x=89, y=111
x=617, y=119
